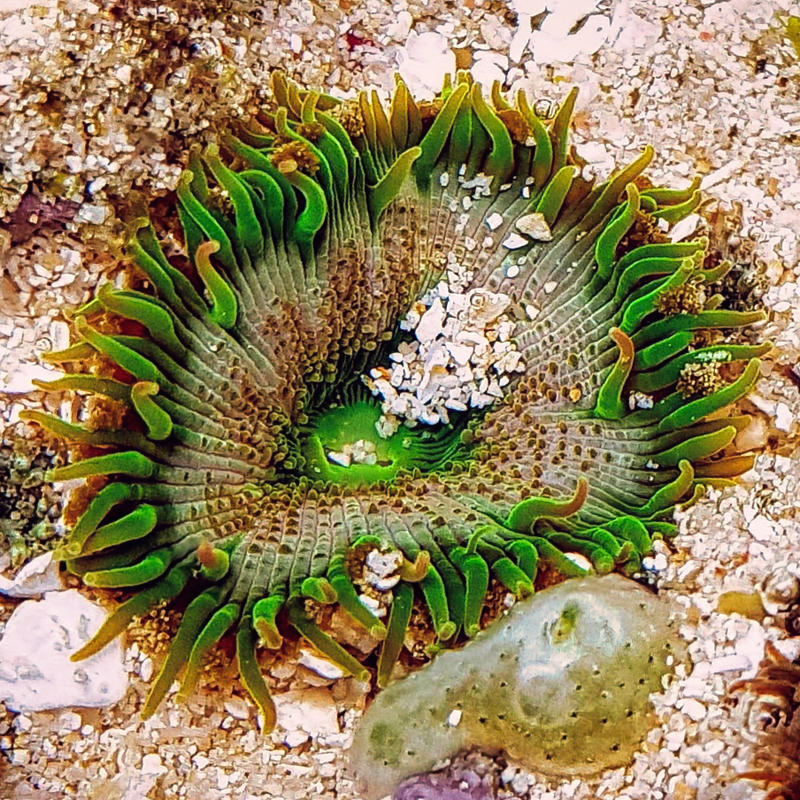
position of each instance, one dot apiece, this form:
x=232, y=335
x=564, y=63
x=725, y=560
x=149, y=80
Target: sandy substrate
x=98, y=102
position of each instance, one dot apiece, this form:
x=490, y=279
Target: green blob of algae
x=561, y=685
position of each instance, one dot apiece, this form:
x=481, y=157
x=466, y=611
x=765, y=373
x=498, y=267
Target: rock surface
x=457, y=782
x=35, y=670
x=38, y=576
x=561, y=685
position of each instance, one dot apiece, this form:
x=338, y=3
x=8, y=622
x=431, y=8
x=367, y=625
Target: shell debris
x=462, y=356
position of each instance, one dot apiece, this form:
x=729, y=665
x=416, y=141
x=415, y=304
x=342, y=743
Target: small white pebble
x=23, y=723
x=535, y=226
x=783, y=417
x=693, y=709
x=580, y=560
x=514, y=241
x=731, y=663
x=200, y=761
x=761, y=529
x=146, y=669
x=152, y=765
x=674, y=740
x=714, y=747
x=342, y=459
x=237, y=707
x=494, y=221
x=507, y=775
x=322, y=666
x=93, y=214
x=295, y=738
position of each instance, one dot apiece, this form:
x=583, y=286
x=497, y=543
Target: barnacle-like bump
x=294, y=156
x=248, y=468
x=699, y=379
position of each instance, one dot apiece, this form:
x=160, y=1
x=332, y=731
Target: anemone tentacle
x=235, y=371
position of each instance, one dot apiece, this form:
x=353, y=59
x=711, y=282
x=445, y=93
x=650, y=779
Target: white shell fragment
x=322, y=666
x=38, y=576
x=462, y=357
x=359, y=452
x=514, y=241
x=430, y=325
x=535, y=226
x=382, y=570
x=35, y=670
x=494, y=221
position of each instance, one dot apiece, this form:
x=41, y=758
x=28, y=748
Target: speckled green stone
x=561, y=685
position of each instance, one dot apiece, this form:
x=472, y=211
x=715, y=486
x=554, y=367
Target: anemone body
x=238, y=366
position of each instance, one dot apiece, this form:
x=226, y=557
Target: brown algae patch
x=561, y=685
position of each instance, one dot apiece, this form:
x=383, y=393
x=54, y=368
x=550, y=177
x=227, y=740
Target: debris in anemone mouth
x=223, y=476
x=462, y=357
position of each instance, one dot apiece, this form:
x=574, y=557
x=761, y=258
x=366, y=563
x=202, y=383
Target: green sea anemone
x=227, y=385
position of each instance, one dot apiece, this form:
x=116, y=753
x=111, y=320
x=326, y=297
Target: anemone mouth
x=235, y=460
x=343, y=445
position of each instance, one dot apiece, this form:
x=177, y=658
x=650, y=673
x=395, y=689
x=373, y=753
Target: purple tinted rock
x=35, y=213
x=454, y=783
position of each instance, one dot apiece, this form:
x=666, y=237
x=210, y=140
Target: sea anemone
x=226, y=389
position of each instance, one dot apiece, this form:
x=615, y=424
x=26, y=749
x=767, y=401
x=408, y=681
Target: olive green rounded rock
x=561, y=685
